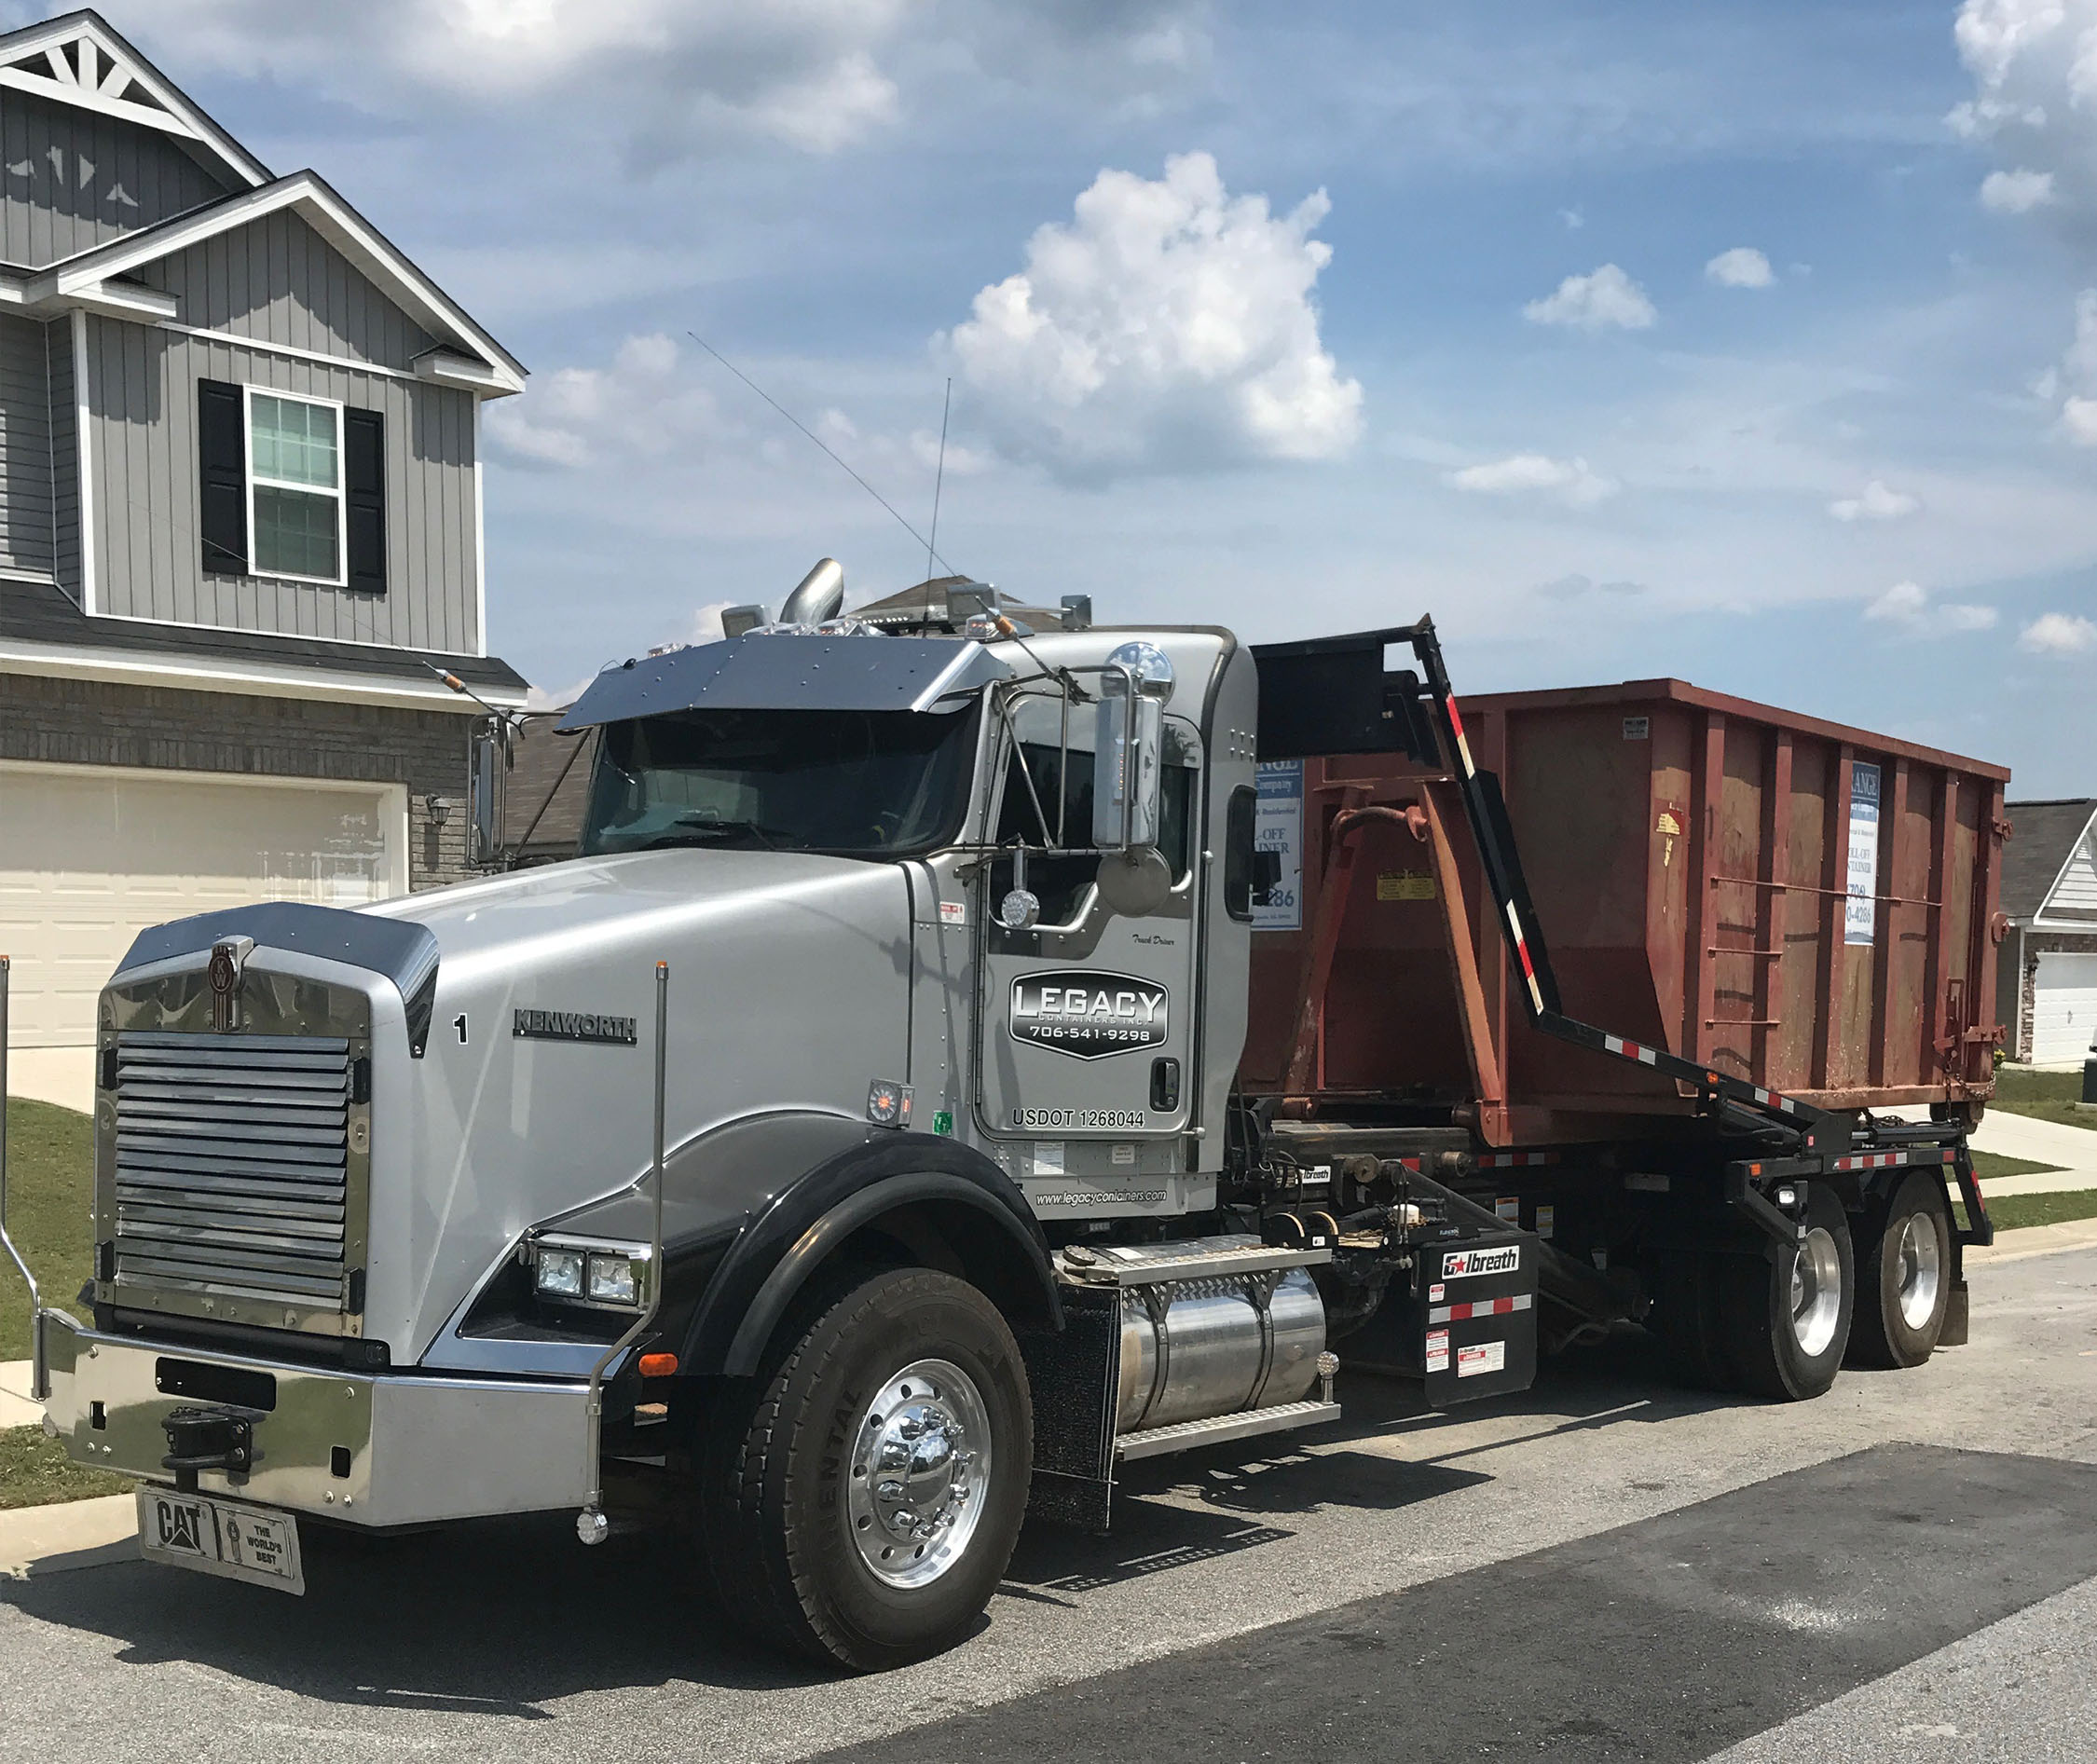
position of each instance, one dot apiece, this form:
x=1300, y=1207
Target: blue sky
x=1444, y=320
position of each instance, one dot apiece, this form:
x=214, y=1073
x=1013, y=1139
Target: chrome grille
x=232, y=1154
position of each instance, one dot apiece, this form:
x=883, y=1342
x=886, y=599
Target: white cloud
x=2059, y=634
x=673, y=75
x=1574, y=218
x=1877, y=502
x=2016, y=192
x=1169, y=325
x=1569, y=481
x=1595, y=302
x=1907, y=605
x=638, y=407
x=1742, y=266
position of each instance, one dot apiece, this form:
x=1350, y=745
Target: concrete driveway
x=1603, y=1567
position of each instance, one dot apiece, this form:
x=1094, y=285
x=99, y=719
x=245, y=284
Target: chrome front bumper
x=394, y=1449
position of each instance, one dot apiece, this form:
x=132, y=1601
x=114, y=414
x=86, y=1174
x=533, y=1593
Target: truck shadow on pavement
x=497, y=1618
x=1240, y=1484
x=503, y=1617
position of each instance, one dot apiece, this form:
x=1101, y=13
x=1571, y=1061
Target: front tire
x=1904, y=1277
x=859, y=1504
x=1787, y=1313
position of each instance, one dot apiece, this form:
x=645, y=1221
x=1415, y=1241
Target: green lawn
x=1993, y=1165
x=51, y=1202
x=2013, y=1212
x=35, y=1471
x=2046, y=1096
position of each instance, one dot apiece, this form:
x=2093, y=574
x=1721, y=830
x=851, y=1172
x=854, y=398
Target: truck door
x=1086, y=1021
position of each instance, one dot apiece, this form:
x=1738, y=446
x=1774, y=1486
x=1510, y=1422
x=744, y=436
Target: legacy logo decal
x=1086, y=1014
x=1464, y=1262
x=573, y=1026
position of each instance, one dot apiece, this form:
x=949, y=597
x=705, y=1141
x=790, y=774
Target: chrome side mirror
x=1129, y=750
x=487, y=761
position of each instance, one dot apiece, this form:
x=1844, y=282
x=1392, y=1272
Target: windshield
x=854, y=783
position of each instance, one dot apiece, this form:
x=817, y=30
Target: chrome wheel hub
x=1816, y=1293
x=921, y=1462
x=1920, y=1262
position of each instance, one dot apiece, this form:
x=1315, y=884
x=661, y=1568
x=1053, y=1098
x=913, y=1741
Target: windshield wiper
x=687, y=829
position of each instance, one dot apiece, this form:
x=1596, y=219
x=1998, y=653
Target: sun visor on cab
x=786, y=671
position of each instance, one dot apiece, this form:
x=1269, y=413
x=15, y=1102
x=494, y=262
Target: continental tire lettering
x=616, y=1031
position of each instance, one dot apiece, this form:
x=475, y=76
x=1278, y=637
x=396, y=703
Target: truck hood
x=789, y=981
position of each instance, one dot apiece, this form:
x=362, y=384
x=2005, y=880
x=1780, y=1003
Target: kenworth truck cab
x=847, y=1140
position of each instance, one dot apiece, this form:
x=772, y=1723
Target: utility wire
x=822, y=443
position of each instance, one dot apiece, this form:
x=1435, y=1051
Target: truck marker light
x=659, y=1365
x=888, y=1104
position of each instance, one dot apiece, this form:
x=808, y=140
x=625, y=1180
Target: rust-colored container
x=1788, y=900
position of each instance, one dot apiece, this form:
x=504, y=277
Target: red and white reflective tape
x=1631, y=1050
x=1522, y=950
x=1514, y=1160
x=1771, y=1100
x=1480, y=1307
x=1408, y=1163
x=1463, y=746
x=1893, y=1160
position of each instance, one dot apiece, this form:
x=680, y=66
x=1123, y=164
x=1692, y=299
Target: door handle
x=1164, y=1084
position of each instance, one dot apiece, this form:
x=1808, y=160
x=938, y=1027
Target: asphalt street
x=1604, y=1567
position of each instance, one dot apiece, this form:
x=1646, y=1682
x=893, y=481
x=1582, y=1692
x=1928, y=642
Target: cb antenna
x=939, y=477
x=817, y=439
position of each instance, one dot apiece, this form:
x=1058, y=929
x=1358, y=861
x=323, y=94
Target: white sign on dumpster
x=1278, y=827
x=1860, y=911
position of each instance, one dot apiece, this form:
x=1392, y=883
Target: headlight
x=615, y=1279
x=560, y=1273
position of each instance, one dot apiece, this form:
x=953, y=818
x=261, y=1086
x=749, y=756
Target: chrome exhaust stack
x=40, y=1374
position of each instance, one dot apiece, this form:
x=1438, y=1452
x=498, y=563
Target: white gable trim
x=2039, y=918
x=110, y=72
x=83, y=662
x=329, y=215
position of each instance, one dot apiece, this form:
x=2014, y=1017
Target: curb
x=2021, y=1245
x=67, y=1534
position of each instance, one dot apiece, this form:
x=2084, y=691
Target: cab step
x=1183, y=1436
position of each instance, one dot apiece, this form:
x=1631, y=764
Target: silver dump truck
x=849, y=1141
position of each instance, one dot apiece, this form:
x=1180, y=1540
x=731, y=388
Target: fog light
x=560, y=1273
x=1787, y=1195
x=613, y=1279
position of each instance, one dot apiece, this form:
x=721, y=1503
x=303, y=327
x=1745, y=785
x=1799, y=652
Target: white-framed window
x=294, y=487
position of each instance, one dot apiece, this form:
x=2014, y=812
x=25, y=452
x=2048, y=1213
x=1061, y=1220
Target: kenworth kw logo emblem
x=573, y=1026
x=1462, y=1262
x=1088, y=1014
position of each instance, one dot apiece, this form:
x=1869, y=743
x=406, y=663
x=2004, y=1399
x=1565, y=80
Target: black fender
x=808, y=1221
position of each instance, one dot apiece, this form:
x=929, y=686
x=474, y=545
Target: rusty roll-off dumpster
x=1808, y=906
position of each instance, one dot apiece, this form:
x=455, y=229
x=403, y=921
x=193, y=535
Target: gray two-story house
x=240, y=536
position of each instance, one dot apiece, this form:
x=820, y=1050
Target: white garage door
x=90, y=856
x=2065, y=1011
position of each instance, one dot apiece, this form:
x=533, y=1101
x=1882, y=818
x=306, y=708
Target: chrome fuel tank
x=1217, y=1343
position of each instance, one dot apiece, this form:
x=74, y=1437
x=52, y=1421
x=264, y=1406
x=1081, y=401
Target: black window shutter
x=221, y=462
x=364, y=498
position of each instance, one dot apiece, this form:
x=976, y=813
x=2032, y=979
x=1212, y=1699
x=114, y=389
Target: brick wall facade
x=94, y=723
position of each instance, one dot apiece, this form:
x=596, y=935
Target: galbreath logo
x=1467, y=1262
x=1086, y=1014
x=573, y=1026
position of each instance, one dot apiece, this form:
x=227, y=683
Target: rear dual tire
x=1768, y=1319
x=1904, y=1277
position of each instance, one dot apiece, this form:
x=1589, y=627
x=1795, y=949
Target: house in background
x=2046, y=976
x=240, y=536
